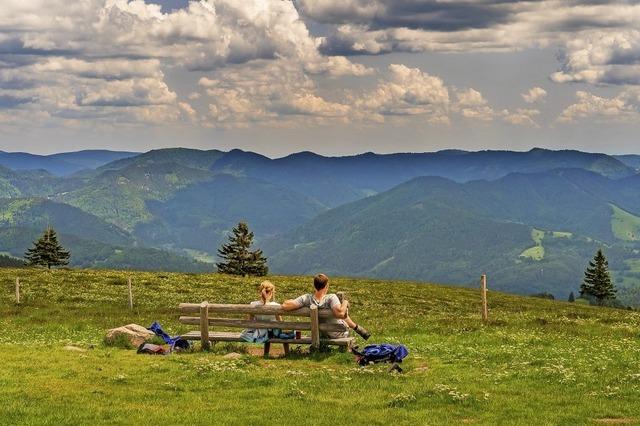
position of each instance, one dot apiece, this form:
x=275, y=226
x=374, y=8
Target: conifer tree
x=572, y=297
x=46, y=251
x=237, y=257
x=597, y=282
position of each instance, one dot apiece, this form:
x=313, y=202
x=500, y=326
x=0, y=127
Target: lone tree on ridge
x=46, y=251
x=597, y=282
x=237, y=257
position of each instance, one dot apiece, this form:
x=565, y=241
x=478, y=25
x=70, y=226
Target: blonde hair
x=266, y=285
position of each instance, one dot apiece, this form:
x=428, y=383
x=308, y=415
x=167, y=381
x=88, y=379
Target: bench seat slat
x=221, y=336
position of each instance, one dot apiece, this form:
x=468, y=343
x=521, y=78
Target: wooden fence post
x=483, y=295
x=315, y=327
x=18, y=290
x=130, y=294
x=204, y=326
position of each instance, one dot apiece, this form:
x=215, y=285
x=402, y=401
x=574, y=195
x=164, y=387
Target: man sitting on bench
x=322, y=300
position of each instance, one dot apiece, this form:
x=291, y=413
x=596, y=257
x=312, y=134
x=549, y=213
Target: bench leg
x=206, y=345
x=267, y=348
x=286, y=349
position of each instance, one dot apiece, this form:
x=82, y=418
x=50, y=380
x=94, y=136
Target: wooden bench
x=310, y=323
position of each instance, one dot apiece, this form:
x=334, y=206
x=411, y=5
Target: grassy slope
x=538, y=362
x=625, y=226
x=536, y=252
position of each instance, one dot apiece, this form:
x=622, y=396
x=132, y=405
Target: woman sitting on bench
x=261, y=335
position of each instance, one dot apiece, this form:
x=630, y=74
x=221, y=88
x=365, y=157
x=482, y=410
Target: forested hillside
x=532, y=232
x=532, y=220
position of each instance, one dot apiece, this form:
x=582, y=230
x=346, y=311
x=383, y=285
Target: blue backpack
x=384, y=352
x=174, y=342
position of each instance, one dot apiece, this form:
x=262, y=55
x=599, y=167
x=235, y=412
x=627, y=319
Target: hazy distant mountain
x=61, y=164
x=630, y=160
x=92, y=159
x=336, y=180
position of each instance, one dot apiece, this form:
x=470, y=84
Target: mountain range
x=531, y=220
x=62, y=164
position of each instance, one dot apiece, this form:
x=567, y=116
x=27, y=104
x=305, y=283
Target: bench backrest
x=216, y=314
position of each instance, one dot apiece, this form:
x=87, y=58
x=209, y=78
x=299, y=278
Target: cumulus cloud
x=472, y=104
x=270, y=92
x=624, y=107
x=599, y=41
x=602, y=58
x=106, y=58
x=406, y=91
x=280, y=93
x=533, y=95
x=411, y=25
x=521, y=117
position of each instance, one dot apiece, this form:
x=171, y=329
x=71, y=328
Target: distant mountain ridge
x=336, y=180
x=630, y=160
x=61, y=164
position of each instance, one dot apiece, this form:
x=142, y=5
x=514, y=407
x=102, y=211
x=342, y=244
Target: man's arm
x=340, y=310
x=291, y=305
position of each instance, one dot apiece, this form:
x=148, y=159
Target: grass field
x=537, y=362
x=536, y=252
x=533, y=253
x=625, y=226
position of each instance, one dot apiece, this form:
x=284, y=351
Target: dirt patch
x=421, y=367
x=274, y=352
x=616, y=421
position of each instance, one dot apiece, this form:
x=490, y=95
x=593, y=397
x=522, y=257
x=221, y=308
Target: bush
x=544, y=295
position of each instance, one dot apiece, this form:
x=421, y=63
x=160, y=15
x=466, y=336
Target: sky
x=330, y=76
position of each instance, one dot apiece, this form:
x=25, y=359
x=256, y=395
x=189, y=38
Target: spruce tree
x=46, y=251
x=597, y=282
x=572, y=297
x=237, y=257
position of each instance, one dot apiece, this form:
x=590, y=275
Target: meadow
x=535, y=362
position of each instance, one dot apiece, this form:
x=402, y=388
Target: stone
x=134, y=333
x=232, y=355
x=74, y=348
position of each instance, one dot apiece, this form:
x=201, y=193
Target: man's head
x=320, y=281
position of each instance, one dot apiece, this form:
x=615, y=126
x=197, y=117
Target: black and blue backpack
x=384, y=352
